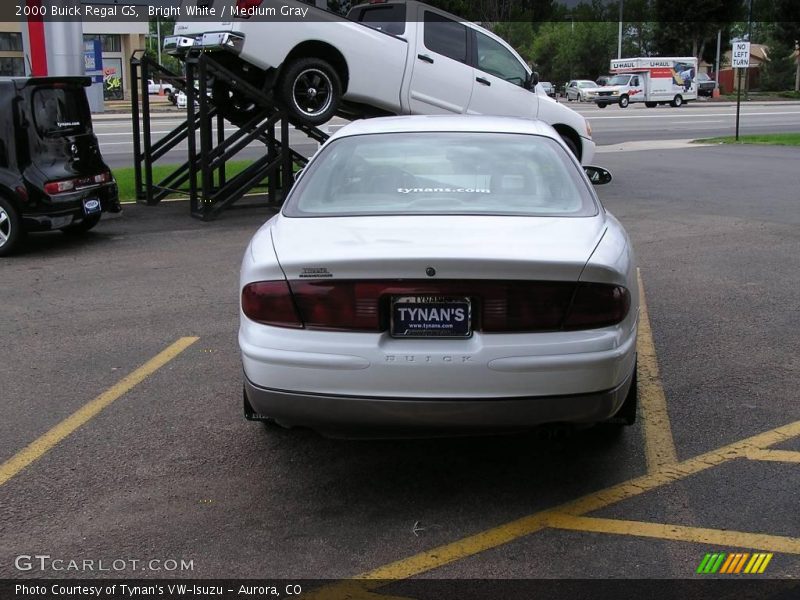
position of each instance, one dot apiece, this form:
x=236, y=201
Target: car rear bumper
x=373, y=416
x=65, y=209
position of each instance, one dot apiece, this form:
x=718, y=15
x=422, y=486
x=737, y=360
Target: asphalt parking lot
x=123, y=436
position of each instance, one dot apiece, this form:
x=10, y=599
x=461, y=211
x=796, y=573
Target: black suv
x=51, y=173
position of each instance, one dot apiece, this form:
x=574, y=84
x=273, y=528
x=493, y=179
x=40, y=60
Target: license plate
x=91, y=206
x=431, y=316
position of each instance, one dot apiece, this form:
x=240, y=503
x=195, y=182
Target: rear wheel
x=601, y=104
x=677, y=101
x=310, y=90
x=11, y=232
x=83, y=226
x=623, y=102
x=651, y=104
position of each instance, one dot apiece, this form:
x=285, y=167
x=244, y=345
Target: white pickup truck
x=386, y=58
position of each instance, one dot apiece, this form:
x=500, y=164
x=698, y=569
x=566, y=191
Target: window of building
x=10, y=42
x=110, y=43
x=12, y=67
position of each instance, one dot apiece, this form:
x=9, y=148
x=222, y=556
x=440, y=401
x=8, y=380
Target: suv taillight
x=67, y=185
x=499, y=306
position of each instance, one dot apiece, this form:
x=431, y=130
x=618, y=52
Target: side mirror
x=598, y=175
x=531, y=81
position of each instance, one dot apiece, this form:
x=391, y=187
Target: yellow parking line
x=503, y=534
x=658, y=441
x=679, y=533
x=39, y=447
x=774, y=455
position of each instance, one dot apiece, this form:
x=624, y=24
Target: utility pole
x=619, y=40
x=716, y=64
x=797, y=68
x=158, y=37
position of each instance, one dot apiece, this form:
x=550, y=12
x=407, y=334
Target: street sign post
x=740, y=59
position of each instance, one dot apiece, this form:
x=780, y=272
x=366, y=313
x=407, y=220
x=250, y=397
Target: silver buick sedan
x=432, y=275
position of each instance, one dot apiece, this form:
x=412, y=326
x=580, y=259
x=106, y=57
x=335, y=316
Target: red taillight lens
x=344, y=305
x=242, y=6
x=498, y=306
x=597, y=305
x=68, y=185
x=59, y=187
x=271, y=303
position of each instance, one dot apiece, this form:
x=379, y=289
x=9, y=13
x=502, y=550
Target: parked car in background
x=52, y=175
x=379, y=301
x=154, y=87
x=705, y=85
x=548, y=88
x=579, y=89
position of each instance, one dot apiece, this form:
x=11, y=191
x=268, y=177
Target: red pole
x=38, y=47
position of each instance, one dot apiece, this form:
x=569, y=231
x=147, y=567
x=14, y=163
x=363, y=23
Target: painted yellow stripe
x=502, y=534
x=754, y=563
x=726, y=565
x=658, y=440
x=42, y=445
x=764, y=564
x=774, y=455
x=681, y=533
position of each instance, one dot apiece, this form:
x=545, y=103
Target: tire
x=651, y=104
x=235, y=107
x=11, y=232
x=624, y=101
x=602, y=104
x=83, y=226
x=310, y=91
x=573, y=147
x=677, y=101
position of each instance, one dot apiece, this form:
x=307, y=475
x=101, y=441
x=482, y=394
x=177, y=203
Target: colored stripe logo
x=734, y=563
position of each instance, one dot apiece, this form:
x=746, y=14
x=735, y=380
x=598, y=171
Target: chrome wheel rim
x=312, y=92
x=5, y=226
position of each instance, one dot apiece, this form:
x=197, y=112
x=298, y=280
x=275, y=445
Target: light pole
x=619, y=40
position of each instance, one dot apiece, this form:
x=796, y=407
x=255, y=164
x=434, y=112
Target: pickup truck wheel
x=651, y=104
x=83, y=226
x=310, y=90
x=623, y=102
x=602, y=104
x=573, y=147
x=10, y=227
x=677, y=101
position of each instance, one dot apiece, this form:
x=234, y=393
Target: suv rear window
x=60, y=111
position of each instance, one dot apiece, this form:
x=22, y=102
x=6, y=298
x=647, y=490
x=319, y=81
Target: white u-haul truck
x=652, y=80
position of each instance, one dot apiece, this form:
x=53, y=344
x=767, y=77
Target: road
x=161, y=465
x=611, y=125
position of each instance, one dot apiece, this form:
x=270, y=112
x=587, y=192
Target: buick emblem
x=430, y=271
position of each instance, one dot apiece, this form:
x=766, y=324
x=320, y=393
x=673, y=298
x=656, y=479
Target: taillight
x=597, y=305
x=243, y=6
x=343, y=305
x=68, y=185
x=270, y=302
x=59, y=187
x=498, y=306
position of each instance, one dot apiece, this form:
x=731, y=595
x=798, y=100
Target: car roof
x=448, y=123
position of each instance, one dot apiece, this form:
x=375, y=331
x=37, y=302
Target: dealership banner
x=419, y=589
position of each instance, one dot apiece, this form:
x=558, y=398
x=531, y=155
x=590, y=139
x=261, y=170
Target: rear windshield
x=461, y=173
x=60, y=111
